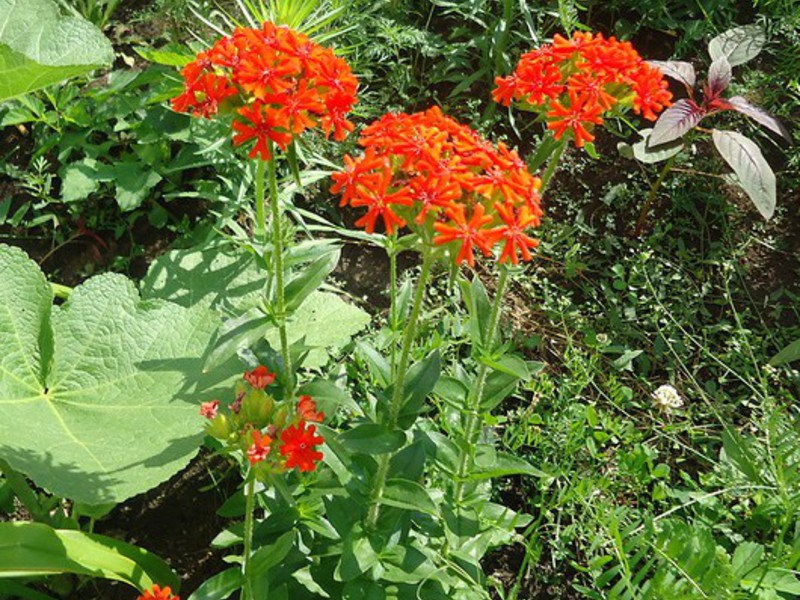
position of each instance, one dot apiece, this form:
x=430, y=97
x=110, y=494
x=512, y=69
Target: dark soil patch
x=176, y=521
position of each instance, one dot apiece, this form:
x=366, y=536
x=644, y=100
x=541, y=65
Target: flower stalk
x=249, y=498
x=278, y=268
x=396, y=402
x=475, y=398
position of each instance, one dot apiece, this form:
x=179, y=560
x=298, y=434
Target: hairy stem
x=261, y=218
x=393, y=304
x=277, y=252
x=396, y=402
x=249, y=498
x=475, y=397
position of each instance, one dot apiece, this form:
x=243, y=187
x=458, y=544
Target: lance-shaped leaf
x=100, y=395
x=754, y=173
x=759, y=116
x=719, y=76
x=675, y=122
x=738, y=45
x=35, y=549
x=678, y=70
x=39, y=46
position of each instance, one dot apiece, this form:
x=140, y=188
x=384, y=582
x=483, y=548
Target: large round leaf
x=39, y=46
x=99, y=396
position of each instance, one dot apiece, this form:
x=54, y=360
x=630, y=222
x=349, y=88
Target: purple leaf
x=719, y=76
x=751, y=168
x=675, y=122
x=678, y=70
x=738, y=45
x=759, y=116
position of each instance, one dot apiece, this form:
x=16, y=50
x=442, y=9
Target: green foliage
x=34, y=549
x=39, y=46
x=95, y=377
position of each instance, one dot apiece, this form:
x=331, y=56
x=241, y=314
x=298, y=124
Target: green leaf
x=358, y=556
x=751, y=168
x=738, y=45
x=409, y=495
x=746, y=558
x=304, y=283
x=271, y=555
x=789, y=354
x=237, y=334
x=506, y=464
x=133, y=184
x=100, y=395
x=220, y=586
x=40, y=47
x=227, y=279
x=219, y=276
x=79, y=180
x=499, y=386
x=34, y=549
x=325, y=323
x=372, y=438
x=645, y=154
x=420, y=381
x=329, y=396
x=172, y=55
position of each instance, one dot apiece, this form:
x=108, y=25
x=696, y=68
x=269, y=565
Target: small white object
x=667, y=398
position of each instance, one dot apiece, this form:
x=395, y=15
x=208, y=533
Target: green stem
x=277, y=252
x=396, y=402
x=651, y=196
x=552, y=164
x=249, y=498
x=261, y=218
x=393, y=303
x=408, y=337
x=24, y=492
x=476, y=396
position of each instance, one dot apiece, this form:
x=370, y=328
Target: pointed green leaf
x=220, y=586
x=409, y=495
x=34, y=549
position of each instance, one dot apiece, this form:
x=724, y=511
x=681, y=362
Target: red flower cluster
x=430, y=173
x=574, y=82
x=257, y=424
x=279, y=82
x=158, y=593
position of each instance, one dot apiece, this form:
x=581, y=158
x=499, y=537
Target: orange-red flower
x=299, y=444
x=576, y=81
x=260, y=448
x=260, y=377
x=442, y=180
x=278, y=83
x=575, y=116
x=307, y=409
x=158, y=593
